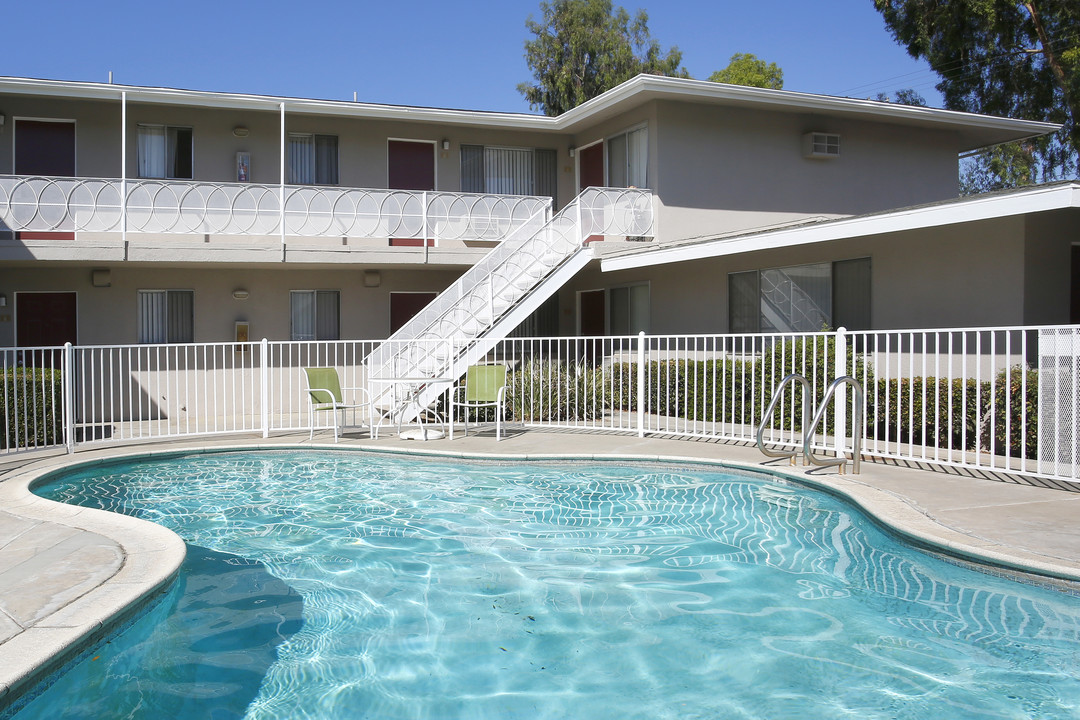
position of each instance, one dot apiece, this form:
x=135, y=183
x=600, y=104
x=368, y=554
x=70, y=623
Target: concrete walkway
x=68, y=573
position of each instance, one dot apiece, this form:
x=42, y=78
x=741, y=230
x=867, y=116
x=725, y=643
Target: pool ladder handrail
x=810, y=428
x=777, y=395
x=856, y=424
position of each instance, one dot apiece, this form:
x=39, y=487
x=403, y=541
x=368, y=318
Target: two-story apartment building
x=136, y=214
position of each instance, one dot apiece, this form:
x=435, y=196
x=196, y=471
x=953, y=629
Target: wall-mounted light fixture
x=372, y=278
x=3, y=300
x=572, y=150
x=240, y=294
x=445, y=144
x=240, y=131
x=2, y=118
x=101, y=277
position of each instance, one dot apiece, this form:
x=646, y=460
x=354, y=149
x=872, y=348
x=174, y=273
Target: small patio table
x=413, y=385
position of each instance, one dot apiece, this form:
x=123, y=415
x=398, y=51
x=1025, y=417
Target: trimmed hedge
x=922, y=410
x=32, y=407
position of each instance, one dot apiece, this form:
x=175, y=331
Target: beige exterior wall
x=726, y=168
x=108, y=315
x=362, y=143
x=1011, y=271
x=1048, y=267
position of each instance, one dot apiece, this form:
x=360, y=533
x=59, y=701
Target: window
x=166, y=316
x=628, y=309
x=314, y=314
x=507, y=170
x=821, y=145
x=165, y=152
x=313, y=159
x=628, y=159
x=801, y=298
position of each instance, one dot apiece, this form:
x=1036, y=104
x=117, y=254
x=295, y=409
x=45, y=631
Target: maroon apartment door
x=45, y=148
x=591, y=172
x=45, y=319
x=411, y=166
x=405, y=305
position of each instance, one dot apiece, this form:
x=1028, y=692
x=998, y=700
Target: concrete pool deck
x=67, y=573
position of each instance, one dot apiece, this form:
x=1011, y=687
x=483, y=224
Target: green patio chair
x=484, y=386
x=324, y=394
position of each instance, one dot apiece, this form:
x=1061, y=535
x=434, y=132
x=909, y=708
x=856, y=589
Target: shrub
x=544, y=390
x=33, y=414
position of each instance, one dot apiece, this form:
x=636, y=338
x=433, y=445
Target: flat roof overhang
x=984, y=207
x=973, y=131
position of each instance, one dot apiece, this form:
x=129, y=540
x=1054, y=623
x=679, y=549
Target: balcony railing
x=192, y=207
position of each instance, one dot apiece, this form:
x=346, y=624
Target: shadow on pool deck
x=67, y=573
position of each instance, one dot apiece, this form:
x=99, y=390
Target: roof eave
x=1031, y=200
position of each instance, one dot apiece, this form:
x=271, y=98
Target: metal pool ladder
x=809, y=428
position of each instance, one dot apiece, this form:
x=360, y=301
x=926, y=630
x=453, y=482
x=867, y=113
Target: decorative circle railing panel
x=227, y=208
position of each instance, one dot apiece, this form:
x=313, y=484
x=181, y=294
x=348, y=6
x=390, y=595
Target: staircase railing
x=491, y=292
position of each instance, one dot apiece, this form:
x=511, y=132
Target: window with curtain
x=628, y=159
x=166, y=316
x=314, y=314
x=508, y=170
x=801, y=298
x=165, y=152
x=313, y=159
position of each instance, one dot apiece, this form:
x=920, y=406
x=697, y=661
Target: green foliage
x=543, y=390
x=1005, y=166
x=960, y=414
x=747, y=69
x=1011, y=58
x=32, y=407
x=904, y=96
x=585, y=47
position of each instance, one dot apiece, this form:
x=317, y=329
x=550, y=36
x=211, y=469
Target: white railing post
x=641, y=384
x=423, y=223
x=281, y=183
x=264, y=386
x=68, y=393
x=840, y=401
x=123, y=173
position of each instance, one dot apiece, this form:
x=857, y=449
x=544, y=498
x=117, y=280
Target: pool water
x=348, y=585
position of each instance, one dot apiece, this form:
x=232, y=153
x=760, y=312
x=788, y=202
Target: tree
x=584, y=47
x=904, y=96
x=746, y=69
x=1017, y=58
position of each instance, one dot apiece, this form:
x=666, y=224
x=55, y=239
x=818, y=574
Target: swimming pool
x=337, y=584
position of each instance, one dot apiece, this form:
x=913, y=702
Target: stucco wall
x=1048, y=266
x=988, y=273
x=725, y=168
x=362, y=144
x=108, y=315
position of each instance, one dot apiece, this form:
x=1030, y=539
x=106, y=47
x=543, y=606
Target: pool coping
x=152, y=554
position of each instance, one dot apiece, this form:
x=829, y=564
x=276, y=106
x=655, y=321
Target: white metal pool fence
x=992, y=399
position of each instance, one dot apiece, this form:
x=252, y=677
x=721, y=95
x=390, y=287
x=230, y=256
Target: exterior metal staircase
x=467, y=320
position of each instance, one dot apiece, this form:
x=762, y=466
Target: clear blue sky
x=466, y=54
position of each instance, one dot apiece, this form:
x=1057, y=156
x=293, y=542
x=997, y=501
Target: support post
x=840, y=401
x=264, y=386
x=67, y=389
x=424, y=224
x=123, y=173
x=641, y=384
x=281, y=185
